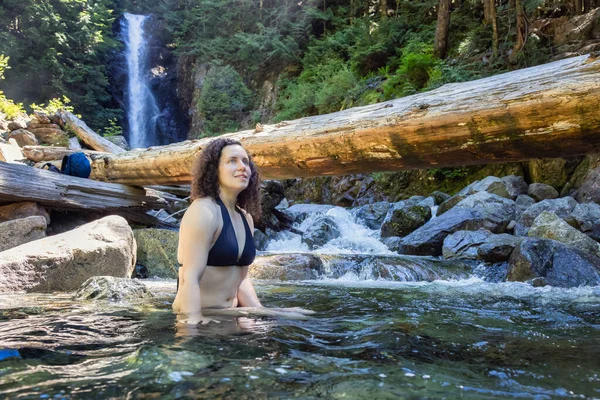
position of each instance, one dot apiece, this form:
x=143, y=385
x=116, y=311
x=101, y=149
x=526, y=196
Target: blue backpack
x=76, y=164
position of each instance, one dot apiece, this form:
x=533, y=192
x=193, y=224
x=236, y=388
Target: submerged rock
x=19, y=231
x=113, y=289
x=402, y=221
x=157, y=251
x=549, y=226
x=553, y=263
x=63, y=262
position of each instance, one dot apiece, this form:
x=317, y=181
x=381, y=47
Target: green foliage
x=8, y=107
x=224, y=97
x=54, y=105
x=113, y=128
x=448, y=173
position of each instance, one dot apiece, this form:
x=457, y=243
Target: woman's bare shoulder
x=204, y=209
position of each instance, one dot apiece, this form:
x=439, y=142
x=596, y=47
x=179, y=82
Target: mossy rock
x=157, y=251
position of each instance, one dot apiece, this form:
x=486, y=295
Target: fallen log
x=546, y=111
x=91, y=139
x=62, y=192
x=50, y=153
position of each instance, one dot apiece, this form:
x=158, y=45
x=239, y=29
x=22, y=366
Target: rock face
x=157, y=251
x=553, y=263
x=112, y=289
x=464, y=244
x=22, y=210
x=321, y=232
x=402, y=221
x=549, y=226
x=18, y=231
x=63, y=262
x=286, y=267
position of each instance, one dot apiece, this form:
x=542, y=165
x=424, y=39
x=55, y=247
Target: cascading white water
x=142, y=110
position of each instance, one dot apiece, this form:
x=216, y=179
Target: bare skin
x=205, y=289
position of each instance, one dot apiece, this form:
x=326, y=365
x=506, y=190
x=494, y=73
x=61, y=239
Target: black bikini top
x=225, y=251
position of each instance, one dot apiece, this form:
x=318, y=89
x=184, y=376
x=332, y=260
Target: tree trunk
x=494, y=22
x=86, y=135
x=521, y=31
x=49, y=153
x=577, y=7
x=383, y=8
x=544, y=111
x=441, y=30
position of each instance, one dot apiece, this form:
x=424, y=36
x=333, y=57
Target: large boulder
x=464, y=244
x=498, y=247
x=490, y=184
x=373, y=214
x=157, y=251
x=549, y=226
x=15, y=232
x=541, y=191
x=550, y=262
x=515, y=185
x=286, y=267
x=587, y=216
x=402, y=221
x=23, y=210
x=63, y=262
x=524, y=202
x=119, y=140
x=449, y=203
x=480, y=210
x=112, y=289
x=51, y=135
x=560, y=207
x=23, y=137
x=320, y=232
x=590, y=188
x=551, y=171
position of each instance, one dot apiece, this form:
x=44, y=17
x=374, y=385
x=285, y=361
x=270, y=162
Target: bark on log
x=546, y=111
x=49, y=153
x=86, y=135
x=61, y=192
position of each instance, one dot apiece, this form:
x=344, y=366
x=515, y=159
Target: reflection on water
x=374, y=340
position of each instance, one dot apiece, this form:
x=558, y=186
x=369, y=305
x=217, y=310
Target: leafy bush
x=54, y=105
x=8, y=107
x=113, y=128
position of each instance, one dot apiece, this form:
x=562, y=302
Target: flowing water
x=371, y=338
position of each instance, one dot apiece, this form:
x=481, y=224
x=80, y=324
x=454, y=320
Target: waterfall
x=142, y=110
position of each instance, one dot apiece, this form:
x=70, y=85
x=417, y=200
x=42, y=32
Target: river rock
x=261, y=240
x=439, y=197
x=498, y=247
x=464, y=244
x=23, y=137
x=18, y=231
x=157, y=251
x=373, y=214
x=541, y=191
x=524, y=202
x=561, y=207
x=320, y=232
x=451, y=202
x=23, y=210
x=299, y=212
x=490, y=184
x=549, y=226
x=553, y=263
x=63, y=262
x=590, y=188
x=53, y=136
x=286, y=267
x=393, y=243
x=480, y=210
x=587, y=216
x=515, y=185
x=112, y=289
x=402, y=221
x=551, y=171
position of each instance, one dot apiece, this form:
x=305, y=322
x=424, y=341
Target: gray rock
x=20, y=122
x=524, y=201
x=261, y=240
x=320, y=232
x=373, y=214
x=589, y=191
x=63, y=262
x=299, y=212
x=119, y=140
x=498, y=247
x=464, y=244
x=393, y=243
x=490, y=184
x=74, y=144
x=157, y=251
x=427, y=202
x=286, y=267
x=497, y=211
x=541, y=191
x=560, y=207
x=554, y=263
x=23, y=137
x=402, y=221
x=515, y=185
x=16, y=232
x=112, y=289
x=439, y=197
x=587, y=216
x=451, y=202
x=549, y=226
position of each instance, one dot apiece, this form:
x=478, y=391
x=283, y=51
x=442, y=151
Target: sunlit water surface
x=368, y=340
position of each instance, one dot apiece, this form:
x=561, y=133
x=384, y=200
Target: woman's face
x=234, y=168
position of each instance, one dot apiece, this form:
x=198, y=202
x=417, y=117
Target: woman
x=216, y=243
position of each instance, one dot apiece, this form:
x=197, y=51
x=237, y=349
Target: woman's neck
x=229, y=199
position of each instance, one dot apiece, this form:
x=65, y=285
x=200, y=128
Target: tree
x=441, y=31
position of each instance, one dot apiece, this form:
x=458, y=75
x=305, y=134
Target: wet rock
x=286, y=267
x=372, y=215
x=52, y=136
x=63, y=262
x=320, y=232
x=480, y=210
x=402, y=221
x=498, y=247
x=515, y=185
x=541, y=191
x=23, y=210
x=439, y=197
x=524, y=201
x=119, y=140
x=112, y=289
x=392, y=243
x=560, y=207
x=451, y=202
x=157, y=251
x=464, y=244
x=299, y=212
x=15, y=232
x=587, y=216
x=549, y=226
x=558, y=264
x=261, y=240
x=590, y=188
x=23, y=138
x=272, y=193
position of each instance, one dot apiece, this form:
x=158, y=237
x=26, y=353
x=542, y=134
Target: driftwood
x=62, y=192
x=546, y=111
x=50, y=153
x=91, y=139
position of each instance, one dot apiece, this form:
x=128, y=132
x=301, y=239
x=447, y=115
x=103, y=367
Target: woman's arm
x=195, y=236
x=246, y=294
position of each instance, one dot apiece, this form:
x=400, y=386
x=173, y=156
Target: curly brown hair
x=205, y=178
